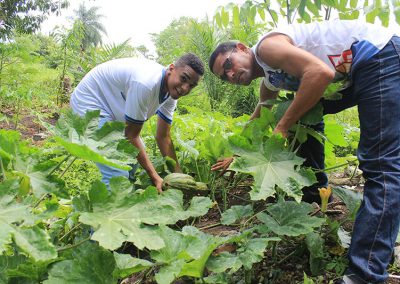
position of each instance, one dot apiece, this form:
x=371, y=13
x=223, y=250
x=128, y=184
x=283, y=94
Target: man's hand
x=283, y=132
x=222, y=164
x=158, y=183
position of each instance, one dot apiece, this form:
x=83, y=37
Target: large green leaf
x=315, y=244
x=273, y=165
x=185, y=253
x=127, y=216
x=9, y=141
x=11, y=213
x=257, y=129
x=37, y=175
x=34, y=241
x=236, y=213
x=81, y=137
x=88, y=264
x=216, y=147
x=250, y=251
x=20, y=269
x=312, y=117
x=127, y=265
x=289, y=218
x=351, y=198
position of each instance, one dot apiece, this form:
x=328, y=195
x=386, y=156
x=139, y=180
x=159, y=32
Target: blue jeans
x=375, y=89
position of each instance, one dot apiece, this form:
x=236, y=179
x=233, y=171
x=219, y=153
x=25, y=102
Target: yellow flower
x=324, y=193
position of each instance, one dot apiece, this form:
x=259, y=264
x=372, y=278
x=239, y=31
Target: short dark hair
x=192, y=61
x=221, y=49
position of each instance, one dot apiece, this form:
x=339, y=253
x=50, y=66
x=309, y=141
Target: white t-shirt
x=126, y=89
x=342, y=45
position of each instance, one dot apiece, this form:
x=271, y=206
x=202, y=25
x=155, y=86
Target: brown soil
x=28, y=124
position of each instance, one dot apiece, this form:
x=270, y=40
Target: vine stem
x=335, y=167
x=40, y=200
x=3, y=172
x=69, y=165
x=245, y=222
x=295, y=137
x=210, y=226
x=74, y=245
x=67, y=233
x=58, y=165
x=286, y=257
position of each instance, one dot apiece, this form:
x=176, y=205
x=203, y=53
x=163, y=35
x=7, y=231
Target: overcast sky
x=135, y=19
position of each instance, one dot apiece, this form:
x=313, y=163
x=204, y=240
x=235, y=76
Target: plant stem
x=274, y=252
x=67, y=233
x=335, y=167
x=286, y=257
x=295, y=137
x=245, y=222
x=238, y=197
x=3, y=172
x=69, y=165
x=58, y=165
x=40, y=200
x=74, y=245
x=210, y=226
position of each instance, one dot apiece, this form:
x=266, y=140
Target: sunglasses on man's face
x=227, y=65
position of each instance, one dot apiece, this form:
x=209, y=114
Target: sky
x=136, y=19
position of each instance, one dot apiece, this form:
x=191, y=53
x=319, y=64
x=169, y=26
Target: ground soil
x=288, y=271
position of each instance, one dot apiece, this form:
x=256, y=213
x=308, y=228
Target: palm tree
x=91, y=24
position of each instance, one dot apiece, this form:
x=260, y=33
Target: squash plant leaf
x=289, y=218
x=88, y=263
x=216, y=147
x=36, y=174
x=312, y=117
x=249, y=252
x=82, y=138
x=127, y=265
x=132, y=216
x=273, y=165
x=315, y=244
x=235, y=213
x=185, y=253
x=261, y=127
x=351, y=198
x=21, y=269
x=33, y=241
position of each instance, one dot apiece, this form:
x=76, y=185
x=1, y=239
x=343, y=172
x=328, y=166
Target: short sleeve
x=166, y=110
x=137, y=103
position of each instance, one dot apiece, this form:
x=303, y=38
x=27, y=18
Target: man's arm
x=279, y=53
x=265, y=94
x=164, y=141
x=132, y=132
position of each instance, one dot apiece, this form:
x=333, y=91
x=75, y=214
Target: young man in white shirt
x=132, y=90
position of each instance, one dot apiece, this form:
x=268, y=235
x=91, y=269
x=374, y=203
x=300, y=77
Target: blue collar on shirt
x=163, y=96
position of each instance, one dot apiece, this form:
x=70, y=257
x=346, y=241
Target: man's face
x=234, y=66
x=181, y=81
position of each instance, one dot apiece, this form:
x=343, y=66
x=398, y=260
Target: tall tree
x=26, y=15
x=92, y=26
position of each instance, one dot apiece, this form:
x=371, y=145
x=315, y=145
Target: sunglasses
x=227, y=65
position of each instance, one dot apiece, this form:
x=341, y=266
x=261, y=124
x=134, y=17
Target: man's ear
x=171, y=67
x=242, y=47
